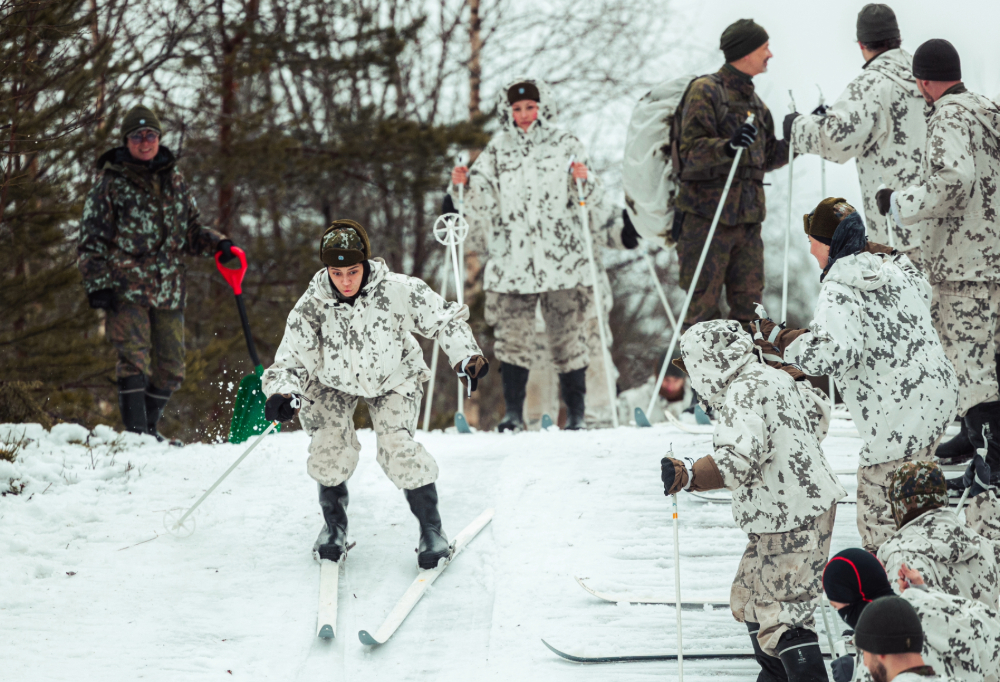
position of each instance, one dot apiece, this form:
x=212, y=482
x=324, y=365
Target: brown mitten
x=872, y=247
x=706, y=475
x=674, y=475
x=476, y=367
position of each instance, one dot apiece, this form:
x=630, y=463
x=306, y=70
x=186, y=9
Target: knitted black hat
x=523, y=91
x=343, y=244
x=856, y=578
x=741, y=38
x=890, y=625
x=877, y=22
x=937, y=60
x=137, y=118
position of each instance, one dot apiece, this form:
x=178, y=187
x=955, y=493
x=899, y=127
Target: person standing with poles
x=518, y=192
x=139, y=221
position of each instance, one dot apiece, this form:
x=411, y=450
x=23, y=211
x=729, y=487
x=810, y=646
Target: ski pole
x=697, y=273
x=677, y=591
x=598, y=303
x=822, y=189
x=659, y=287
x=788, y=222
x=460, y=276
x=826, y=622
x=434, y=352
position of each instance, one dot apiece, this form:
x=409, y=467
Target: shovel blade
x=248, y=414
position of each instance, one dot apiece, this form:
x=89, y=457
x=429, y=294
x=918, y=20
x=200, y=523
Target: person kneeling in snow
x=767, y=451
x=348, y=337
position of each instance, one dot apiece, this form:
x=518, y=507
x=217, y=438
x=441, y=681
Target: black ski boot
x=433, y=542
x=771, y=668
x=332, y=541
x=800, y=654
x=574, y=392
x=156, y=401
x=957, y=450
x=515, y=379
x=978, y=416
x=132, y=403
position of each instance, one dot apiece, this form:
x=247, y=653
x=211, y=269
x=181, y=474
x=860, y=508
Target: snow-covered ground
x=93, y=588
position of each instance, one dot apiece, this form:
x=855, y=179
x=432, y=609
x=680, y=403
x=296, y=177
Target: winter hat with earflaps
x=343, y=244
x=856, y=578
x=890, y=625
x=740, y=38
x=916, y=488
x=140, y=117
x=877, y=22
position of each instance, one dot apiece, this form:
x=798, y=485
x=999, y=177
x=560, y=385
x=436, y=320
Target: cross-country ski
x=632, y=599
x=329, y=582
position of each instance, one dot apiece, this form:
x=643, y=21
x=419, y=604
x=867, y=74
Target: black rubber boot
x=799, y=652
x=574, y=393
x=957, y=450
x=978, y=416
x=433, y=542
x=332, y=541
x=515, y=379
x=132, y=403
x=156, y=401
x=771, y=668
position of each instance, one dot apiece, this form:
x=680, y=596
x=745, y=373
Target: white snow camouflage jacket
x=872, y=330
x=367, y=349
x=880, y=120
x=951, y=558
x=523, y=200
x=956, y=199
x=767, y=440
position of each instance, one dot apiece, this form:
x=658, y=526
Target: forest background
x=287, y=115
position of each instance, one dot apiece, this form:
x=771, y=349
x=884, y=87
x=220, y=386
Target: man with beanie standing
x=138, y=223
x=872, y=330
x=350, y=337
x=713, y=127
x=879, y=120
x=955, y=201
x=890, y=636
x=932, y=540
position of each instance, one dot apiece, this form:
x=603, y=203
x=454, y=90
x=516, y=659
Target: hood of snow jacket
x=767, y=439
x=872, y=330
x=522, y=205
x=952, y=558
x=366, y=349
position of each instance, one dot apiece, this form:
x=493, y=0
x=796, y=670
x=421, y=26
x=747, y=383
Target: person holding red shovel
x=350, y=337
x=138, y=223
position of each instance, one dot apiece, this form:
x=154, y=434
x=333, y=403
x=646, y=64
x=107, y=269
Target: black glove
x=843, y=668
x=883, y=199
x=630, y=238
x=977, y=476
x=742, y=138
x=225, y=251
x=475, y=369
x=786, y=125
x=820, y=110
x=102, y=299
x=447, y=205
x=279, y=408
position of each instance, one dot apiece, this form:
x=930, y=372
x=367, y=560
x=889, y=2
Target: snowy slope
x=240, y=594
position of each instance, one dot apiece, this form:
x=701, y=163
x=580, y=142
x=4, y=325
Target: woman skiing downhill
x=350, y=337
x=521, y=198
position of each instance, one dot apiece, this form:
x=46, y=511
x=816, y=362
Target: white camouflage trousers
x=334, y=448
x=780, y=579
x=966, y=316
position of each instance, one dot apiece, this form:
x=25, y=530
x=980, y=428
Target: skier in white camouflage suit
x=872, y=330
x=767, y=451
x=350, y=337
x=955, y=200
x=880, y=120
x=520, y=192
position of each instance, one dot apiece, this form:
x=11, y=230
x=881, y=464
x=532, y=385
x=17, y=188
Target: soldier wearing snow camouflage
x=767, y=451
x=712, y=127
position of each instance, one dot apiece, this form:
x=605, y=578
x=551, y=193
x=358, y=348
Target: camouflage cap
x=825, y=218
x=343, y=244
x=140, y=117
x=915, y=488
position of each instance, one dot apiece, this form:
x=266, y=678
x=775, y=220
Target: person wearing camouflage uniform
x=674, y=396
x=872, y=299
x=767, y=451
x=521, y=198
x=351, y=339
x=955, y=199
x=930, y=538
x=880, y=121
x=139, y=222
x=712, y=128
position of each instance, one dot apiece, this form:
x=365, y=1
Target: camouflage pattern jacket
x=767, y=440
x=138, y=223
x=872, y=330
x=952, y=558
x=957, y=192
x=880, y=120
x=522, y=198
x=715, y=106
x=367, y=349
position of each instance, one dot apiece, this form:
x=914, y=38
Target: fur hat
x=823, y=221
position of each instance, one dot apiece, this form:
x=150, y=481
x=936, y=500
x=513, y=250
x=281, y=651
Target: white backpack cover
x=647, y=169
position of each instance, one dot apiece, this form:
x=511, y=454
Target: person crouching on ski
x=350, y=337
x=767, y=451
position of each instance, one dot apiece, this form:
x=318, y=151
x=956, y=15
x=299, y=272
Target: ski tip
x=556, y=651
x=547, y=422
x=700, y=417
x=640, y=418
x=326, y=632
x=461, y=424
x=367, y=639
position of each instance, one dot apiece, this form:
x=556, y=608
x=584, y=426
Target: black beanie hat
x=889, y=625
x=856, y=578
x=523, y=91
x=877, y=22
x=741, y=38
x=937, y=60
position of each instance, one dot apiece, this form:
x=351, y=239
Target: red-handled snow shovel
x=248, y=414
